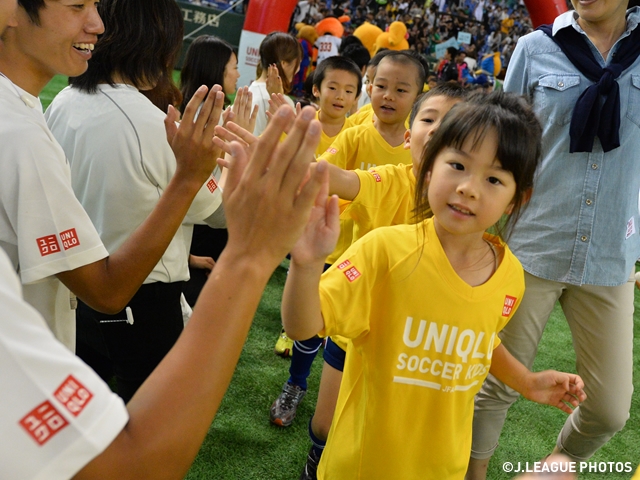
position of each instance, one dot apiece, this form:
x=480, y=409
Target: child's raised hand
x=274, y=82
x=192, y=140
x=322, y=230
x=234, y=133
x=269, y=196
x=561, y=390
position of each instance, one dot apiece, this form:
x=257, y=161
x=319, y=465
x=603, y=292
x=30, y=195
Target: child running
x=398, y=80
x=422, y=304
x=381, y=196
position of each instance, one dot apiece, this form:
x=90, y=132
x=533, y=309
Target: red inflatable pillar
x=544, y=11
x=263, y=17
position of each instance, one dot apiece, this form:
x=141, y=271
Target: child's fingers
x=222, y=145
x=333, y=213
x=242, y=133
x=310, y=192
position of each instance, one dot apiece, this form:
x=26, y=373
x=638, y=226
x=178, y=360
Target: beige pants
x=601, y=323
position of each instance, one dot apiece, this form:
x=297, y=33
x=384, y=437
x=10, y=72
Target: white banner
x=248, y=56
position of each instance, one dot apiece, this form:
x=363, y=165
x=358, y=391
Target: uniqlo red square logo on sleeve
x=69, y=239
x=43, y=422
x=48, y=245
x=344, y=265
x=376, y=175
x=332, y=150
x=212, y=185
x=509, y=303
x=352, y=273
x=73, y=395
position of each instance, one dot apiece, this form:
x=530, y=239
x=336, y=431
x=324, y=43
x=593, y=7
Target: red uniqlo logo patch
x=352, y=274
x=69, y=239
x=332, y=150
x=48, y=245
x=509, y=302
x=43, y=422
x=376, y=175
x=344, y=265
x=73, y=395
x=212, y=185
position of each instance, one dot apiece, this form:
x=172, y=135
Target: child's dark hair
x=375, y=60
x=404, y=59
x=347, y=42
x=278, y=47
x=519, y=144
x=422, y=59
x=141, y=43
x=337, y=63
x=448, y=89
x=358, y=53
x=204, y=64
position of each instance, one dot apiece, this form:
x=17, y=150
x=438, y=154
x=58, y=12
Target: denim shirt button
x=583, y=238
x=594, y=166
x=588, y=202
x=561, y=84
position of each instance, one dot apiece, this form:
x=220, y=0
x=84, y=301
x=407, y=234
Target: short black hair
x=337, y=62
x=204, y=64
x=347, y=42
x=421, y=58
x=406, y=59
x=448, y=89
x=358, y=53
x=141, y=43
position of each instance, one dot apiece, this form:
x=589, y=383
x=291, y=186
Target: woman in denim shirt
x=579, y=238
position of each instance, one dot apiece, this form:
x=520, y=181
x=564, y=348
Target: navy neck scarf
x=597, y=111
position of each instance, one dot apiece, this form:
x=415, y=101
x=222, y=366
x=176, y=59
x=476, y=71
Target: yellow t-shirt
x=363, y=147
x=636, y=476
x=326, y=140
x=362, y=116
x=386, y=197
x=421, y=346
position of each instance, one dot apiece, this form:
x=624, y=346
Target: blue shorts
x=334, y=355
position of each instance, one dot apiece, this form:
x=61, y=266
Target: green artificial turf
x=241, y=444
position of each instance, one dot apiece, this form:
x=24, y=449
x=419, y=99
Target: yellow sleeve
x=341, y=150
x=347, y=288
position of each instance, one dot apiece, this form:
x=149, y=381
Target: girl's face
x=599, y=11
x=231, y=75
x=468, y=190
x=337, y=92
x=426, y=122
x=290, y=69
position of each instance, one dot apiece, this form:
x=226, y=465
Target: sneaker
x=637, y=275
x=283, y=410
x=284, y=345
x=310, y=471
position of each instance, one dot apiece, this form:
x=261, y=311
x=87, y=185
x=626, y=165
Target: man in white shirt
x=48, y=237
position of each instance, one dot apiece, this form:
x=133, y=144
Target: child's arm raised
x=343, y=183
x=549, y=387
x=301, y=314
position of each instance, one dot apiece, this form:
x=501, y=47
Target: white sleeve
x=57, y=414
x=52, y=231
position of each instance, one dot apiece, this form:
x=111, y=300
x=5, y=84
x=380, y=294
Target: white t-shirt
x=261, y=98
x=327, y=46
x=121, y=163
x=57, y=414
x=43, y=227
